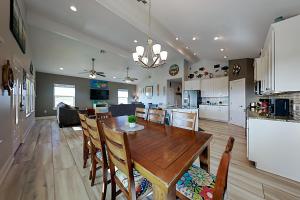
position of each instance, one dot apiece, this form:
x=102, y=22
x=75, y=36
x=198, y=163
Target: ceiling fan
x=129, y=79
x=93, y=73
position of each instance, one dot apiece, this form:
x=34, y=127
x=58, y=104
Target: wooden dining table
x=162, y=154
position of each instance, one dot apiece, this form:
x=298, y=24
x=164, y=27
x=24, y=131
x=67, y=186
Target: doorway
x=238, y=102
x=174, y=92
x=16, y=100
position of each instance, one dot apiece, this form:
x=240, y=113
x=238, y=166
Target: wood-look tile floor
x=49, y=166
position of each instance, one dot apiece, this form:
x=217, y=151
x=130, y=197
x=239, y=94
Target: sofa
x=67, y=115
x=124, y=109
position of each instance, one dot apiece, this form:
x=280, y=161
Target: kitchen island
x=273, y=143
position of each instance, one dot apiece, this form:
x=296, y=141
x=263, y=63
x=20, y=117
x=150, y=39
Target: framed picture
x=149, y=91
x=17, y=26
x=157, y=89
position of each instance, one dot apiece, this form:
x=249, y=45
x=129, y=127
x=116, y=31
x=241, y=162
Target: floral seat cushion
x=196, y=183
x=143, y=187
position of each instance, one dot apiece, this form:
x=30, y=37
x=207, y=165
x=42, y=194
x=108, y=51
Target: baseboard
x=27, y=131
x=4, y=170
x=45, y=117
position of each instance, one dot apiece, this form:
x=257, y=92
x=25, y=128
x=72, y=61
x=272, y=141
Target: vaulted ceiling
x=241, y=26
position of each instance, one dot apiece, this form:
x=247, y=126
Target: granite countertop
x=258, y=114
x=213, y=105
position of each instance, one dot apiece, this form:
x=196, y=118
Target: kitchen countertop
x=213, y=105
x=258, y=114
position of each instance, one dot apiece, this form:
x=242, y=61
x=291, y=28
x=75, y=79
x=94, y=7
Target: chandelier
x=151, y=56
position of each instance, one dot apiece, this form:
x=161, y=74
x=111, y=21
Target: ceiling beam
x=39, y=21
x=136, y=15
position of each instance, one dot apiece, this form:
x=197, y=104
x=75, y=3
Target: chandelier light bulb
x=163, y=55
x=140, y=50
x=135, y=57
x=156, y=49
x=145, y=60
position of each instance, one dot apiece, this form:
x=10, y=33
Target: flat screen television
x=96, y=94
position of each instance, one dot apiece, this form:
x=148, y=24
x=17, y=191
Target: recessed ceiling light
x=195, y=54
x=61, y=68
x=225, y=57
x=216, y=38
x=222, y=49
x=187, y=47
x=114, y=77
x=194, y=38
x=177, y=38
x=135, y=41
x=73, y=8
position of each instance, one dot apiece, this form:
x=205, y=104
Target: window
x=122, y=96
x=29, y=96
x=65, y=94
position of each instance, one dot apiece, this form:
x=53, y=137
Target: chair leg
x=94, y=163
x=104, y=184
x=85, y=151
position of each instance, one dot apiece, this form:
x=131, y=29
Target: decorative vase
x=131, y=125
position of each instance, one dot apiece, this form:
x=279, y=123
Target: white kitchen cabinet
x=287, y=54
x=278, y=67
x=214, y=87
x=214, y=112
x=192, y=84
x=274, y=145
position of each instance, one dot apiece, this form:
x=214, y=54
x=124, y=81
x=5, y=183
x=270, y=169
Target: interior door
x=238, y=102
x=16, y=100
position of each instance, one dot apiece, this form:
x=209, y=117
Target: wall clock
x=236, y=69
x=174, y=69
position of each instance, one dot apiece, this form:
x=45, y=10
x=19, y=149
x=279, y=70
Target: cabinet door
x=205, y=88
x=287, y=51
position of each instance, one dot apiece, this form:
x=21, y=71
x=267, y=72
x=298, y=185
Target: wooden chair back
x=103, y=116
x=84, y=127
x=184, y=120
x=155, y=115
x=94, y=130
x=222, y=174
x=141, y=113
x=120, y=157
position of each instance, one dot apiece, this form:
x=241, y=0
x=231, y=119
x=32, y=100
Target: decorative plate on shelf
x=174, y=69
x=236, y=69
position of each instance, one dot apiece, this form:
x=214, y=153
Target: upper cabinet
x=214, y=87
x=192, y=85
x=278, y=68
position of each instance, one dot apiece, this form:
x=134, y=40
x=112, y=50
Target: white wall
x=10, y=50
x=159, y=76
x=209, y=66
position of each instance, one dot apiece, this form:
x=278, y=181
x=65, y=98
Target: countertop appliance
x=281, y=107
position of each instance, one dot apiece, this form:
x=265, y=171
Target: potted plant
x=131, y=121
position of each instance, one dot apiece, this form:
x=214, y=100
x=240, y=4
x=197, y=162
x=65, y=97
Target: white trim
x=4, y=170
x=45, y=117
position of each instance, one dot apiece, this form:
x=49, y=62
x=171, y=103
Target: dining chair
x=98, y=154
x=103, y=116
x=157, y=116
x=184, y=120
x=86, y=141
x=131, y=183
x=196, y=183
x=141, y=113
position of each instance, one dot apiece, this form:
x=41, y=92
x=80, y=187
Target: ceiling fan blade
x=100, y=72
x=86, y=72
x=101, y=75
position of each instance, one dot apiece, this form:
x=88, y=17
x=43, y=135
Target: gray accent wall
x=45, y=92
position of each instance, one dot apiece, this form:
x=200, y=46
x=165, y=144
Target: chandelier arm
x=142, y=62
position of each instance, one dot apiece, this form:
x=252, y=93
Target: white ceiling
x=243, y=25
